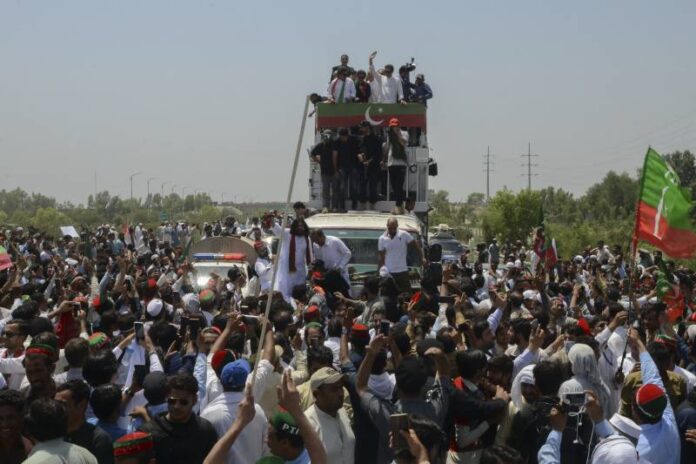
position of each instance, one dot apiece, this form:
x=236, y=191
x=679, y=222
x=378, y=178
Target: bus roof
x=361, y=220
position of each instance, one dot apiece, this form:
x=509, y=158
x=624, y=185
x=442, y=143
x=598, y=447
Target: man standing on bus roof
x=342, y=88
x=390, y=88
x=393, y=248
x=344, y=64
x=332, y=251
x=327, y=158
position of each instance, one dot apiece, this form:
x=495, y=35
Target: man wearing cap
x=396, y=162
x=135, y=448
x=323, y=154
x=393, y=248
x=329, y=418
x=151, y=401
x=39, y=364
x=332, y=252
x=222, y=411
x=674, y=385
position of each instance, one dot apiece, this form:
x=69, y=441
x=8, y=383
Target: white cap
x=625, y=425
x=578, y=259
x=154, y=307
x=191, y=303
x=691, y=332
x=529, y=294
x=384, y=272
x=518, y=264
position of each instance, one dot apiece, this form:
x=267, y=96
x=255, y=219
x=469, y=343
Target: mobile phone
x=194, y=326
x=397, y=423
x=139, y=330
x=384, y=328
x=250, y=319
x=448, y=299
x=535, y=324
x=75, y=308
x=575, y=399
x=183, y=326
x=139, y=373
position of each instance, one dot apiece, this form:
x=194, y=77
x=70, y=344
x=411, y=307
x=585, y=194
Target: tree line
x=605, y=211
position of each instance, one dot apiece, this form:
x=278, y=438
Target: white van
x=360, y=232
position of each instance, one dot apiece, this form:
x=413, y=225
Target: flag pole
x=288, y=200
x=632, y=268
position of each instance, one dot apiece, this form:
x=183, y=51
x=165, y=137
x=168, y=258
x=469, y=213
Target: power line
x=529, y=165
x=487, y=163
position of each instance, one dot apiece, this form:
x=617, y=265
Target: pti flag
x=664, y=211
x=5, y=259
x=330, y=116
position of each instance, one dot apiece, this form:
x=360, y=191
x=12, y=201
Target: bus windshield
x=363, y=245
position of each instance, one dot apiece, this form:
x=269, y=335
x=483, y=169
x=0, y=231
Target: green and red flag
x=333, y=115
x=664, y=211
x=5, y=259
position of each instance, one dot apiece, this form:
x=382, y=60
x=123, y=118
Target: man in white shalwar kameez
x=294, y=255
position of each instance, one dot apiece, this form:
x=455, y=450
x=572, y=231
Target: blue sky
x=209, y=95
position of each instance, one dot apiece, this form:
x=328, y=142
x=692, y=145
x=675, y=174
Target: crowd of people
x=354, y=161
x=111, y=354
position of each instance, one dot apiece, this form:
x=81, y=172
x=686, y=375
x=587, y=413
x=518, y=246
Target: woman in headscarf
x=295, y=256
x=586, y=376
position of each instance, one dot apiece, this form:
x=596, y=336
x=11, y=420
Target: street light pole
x=162, y=189
x=148, y=191
x=131, y=183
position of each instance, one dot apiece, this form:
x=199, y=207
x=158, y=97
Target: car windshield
x=203, y=272
x=452, y=247
x=363, y=245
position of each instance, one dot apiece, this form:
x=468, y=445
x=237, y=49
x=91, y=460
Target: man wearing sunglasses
x=14, y=336
x=181, y=436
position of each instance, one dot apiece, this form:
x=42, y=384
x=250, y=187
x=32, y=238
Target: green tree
x=684, y=164
x=49, y=220
x=511, y=216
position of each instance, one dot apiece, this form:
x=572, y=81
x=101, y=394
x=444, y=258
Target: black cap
x=411, y=375
x=155, y=387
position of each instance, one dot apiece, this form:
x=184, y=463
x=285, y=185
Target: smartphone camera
x=384, y=328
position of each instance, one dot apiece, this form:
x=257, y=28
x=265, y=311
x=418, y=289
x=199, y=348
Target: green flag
x=664, y=212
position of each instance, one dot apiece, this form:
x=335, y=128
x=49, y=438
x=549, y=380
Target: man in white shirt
x=388, y=87
x=329, y=418
x=263, y=267
x=332, y=252
x=392, y=248
x=221, y=412
x=11, y=356
x=342, y=88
